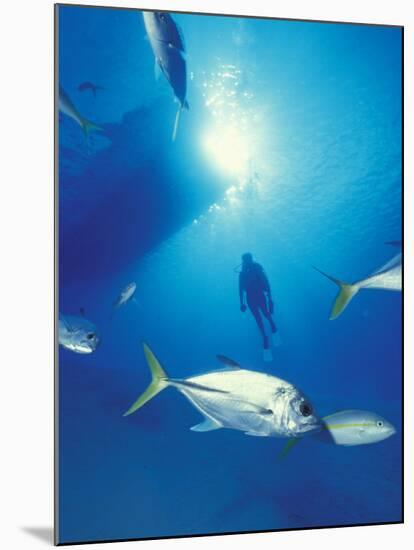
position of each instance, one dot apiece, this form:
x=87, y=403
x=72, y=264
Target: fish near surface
x=168, y=47
x=387, y=277
x=77, y=334
x=255, y=403
x=66, y=106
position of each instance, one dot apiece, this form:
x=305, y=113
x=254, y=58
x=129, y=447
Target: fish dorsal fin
x=228, y=362
x=207, y=425
x=68, y=326
x=394, y=262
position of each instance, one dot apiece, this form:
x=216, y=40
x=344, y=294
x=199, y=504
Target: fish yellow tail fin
x=88, y=127
x=158, y=383
x=346, y=293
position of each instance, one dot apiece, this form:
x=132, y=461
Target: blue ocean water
x=291, y=150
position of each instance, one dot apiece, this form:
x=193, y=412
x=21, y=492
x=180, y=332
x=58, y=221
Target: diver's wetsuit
x=253, y=281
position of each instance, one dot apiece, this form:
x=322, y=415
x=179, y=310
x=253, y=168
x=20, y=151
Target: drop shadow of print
x=44, y=534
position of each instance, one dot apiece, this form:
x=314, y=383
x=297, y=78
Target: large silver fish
x=66, y=106
x=168, y=47
x=255, y=403
x=387, y=277
x=77, y=334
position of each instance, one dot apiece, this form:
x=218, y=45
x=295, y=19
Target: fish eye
x=90, y=336
x=380, y=423
x=305, y=409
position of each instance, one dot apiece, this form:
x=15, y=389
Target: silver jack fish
x=66, y=106
x=168, y=47
x=77, y=334
x=387, y=277
x=255, y=403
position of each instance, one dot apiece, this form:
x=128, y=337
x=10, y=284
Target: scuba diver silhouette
x=254, y=283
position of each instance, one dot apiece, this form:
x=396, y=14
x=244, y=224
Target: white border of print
x=26, y=230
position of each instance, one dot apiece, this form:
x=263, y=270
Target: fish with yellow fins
x=255, y=403
x=350, y=428
x=67, y=106
x=356, y=427
x=387, y=277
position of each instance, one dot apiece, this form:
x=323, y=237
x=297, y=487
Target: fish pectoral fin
x=255, y=434
x=228, y=362
x=288, y=447
x=207, y=425
x=255, y=409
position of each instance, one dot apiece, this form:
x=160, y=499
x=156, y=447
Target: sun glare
x=226, y=140
x=228, y=148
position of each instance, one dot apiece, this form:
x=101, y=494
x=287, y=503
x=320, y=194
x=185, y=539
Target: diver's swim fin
x=158, y=383
x=267, y=355
x=346, y=293
x=276, y=339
